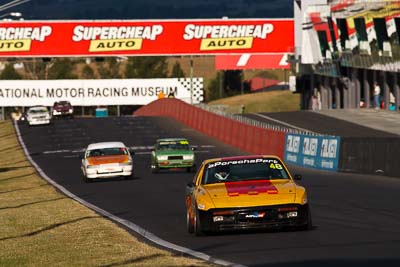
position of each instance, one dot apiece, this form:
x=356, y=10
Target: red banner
x=164, y=37
x=249, y=61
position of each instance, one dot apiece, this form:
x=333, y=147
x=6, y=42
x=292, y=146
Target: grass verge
x=42, y=227
x=273, y=101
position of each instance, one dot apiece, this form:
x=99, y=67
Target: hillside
x=273, y=101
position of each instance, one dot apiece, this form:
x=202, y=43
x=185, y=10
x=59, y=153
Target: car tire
x=308, y=226
x=85, y=179
x=198, y=230
x=191, y=169
x=189, y=222
x=129, y=177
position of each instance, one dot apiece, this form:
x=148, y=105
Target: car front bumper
x=62, y=113
x=264, y=217
x=38, y=121
x=165, y=164
x=108, y=172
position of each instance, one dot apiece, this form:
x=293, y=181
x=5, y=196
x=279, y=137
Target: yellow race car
x=246, y=192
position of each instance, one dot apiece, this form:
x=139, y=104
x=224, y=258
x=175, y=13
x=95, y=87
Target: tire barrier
x=247, y=137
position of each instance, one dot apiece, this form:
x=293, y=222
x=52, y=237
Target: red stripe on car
x=250, y=187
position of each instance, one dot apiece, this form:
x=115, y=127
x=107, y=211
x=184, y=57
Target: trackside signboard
x=15, y=93
x=319, y=152
x=145, y=37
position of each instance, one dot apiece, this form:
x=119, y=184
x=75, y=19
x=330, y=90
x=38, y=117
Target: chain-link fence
x=220, y=110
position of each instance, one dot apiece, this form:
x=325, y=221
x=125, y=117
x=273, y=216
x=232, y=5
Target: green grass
x=42, y=227
x=274, y=101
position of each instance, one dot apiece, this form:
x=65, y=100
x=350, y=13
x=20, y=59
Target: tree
x=109, y=69
x=146, y=67
x=213, y=89
x=36, y=68
x=9, y=73
x=177, y=71
x=232, y=82
x=87, y=72
x=62, y=69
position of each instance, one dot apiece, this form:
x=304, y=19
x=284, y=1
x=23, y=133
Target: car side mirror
x=81, y=156
x=132, y=152
x=297, y=177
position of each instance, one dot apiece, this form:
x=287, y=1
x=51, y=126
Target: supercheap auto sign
x=147, y=37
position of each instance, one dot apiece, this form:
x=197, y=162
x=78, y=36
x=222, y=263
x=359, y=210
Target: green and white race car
x=171, y=153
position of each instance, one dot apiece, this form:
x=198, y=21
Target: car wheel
x=308, y=225
x=189, y=222
x=191, y=169
x=198, y=230
x=85, y=179
x=129, y=177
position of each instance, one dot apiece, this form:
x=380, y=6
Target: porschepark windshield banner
x=145, y=37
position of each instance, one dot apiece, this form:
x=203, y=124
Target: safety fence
x=252, y=122
x=241, y=133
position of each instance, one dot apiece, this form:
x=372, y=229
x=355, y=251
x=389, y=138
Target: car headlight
x=91, y=166
x=188, y=157
x=162, y=157
x=201, y=206
x=71, y=110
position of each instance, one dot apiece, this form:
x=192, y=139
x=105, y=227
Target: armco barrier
x=311, y=151
x=247, y=137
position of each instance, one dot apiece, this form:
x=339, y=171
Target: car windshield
x=37, y=110
x=107, y=152
x=173, y=145
x=62, y=104
x=244, y=170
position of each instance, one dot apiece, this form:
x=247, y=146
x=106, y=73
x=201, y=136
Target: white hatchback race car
x=38, y=115
x=105, y=160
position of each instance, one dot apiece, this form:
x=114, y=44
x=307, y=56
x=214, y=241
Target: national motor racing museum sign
x=98, y=92
x=146, y=37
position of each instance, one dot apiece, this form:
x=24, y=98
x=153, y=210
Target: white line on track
x=134, y=227
x=132, y=147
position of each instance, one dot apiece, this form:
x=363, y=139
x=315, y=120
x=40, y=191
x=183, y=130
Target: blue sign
x=319, y=152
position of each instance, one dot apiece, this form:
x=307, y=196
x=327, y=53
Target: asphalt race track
x=356, y=218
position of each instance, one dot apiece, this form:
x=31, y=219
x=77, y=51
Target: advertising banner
x=319, y=152
x=145, y=37
x=15, y=93
x=252, y=61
